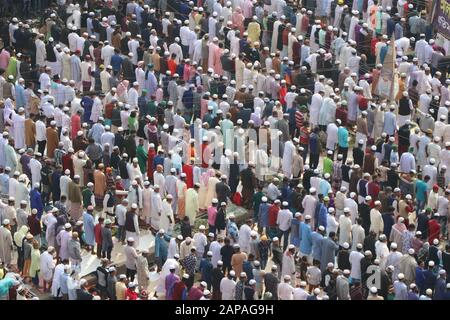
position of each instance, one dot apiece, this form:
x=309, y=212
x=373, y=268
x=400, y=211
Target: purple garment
x=195, y=293
x=25, y=162
x=171, y=279
x=358, y=33
x=256, y=120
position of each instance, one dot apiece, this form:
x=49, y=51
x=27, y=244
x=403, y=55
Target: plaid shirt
x=189, y=264
x=59, y=153
x=441, y=180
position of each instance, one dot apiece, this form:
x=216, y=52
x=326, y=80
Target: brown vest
x=369, y=163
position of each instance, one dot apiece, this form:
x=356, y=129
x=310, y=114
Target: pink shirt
x=4, y=59
x=212, y=212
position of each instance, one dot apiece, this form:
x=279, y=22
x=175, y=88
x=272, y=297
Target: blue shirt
x=323, y=216
x=206, y=268
x=390, y=124
x=343, y=137
x=421, y=190
x=4, y=183
x=316, y=245
x=116, y=62
x=314, y=144
x=383, y=52
x=161, y=247
x=36, y=202
x=305, y=238
x=324, y=187
x=87, y=104
x=88, y=226
x=398, y=31
x=263, y=215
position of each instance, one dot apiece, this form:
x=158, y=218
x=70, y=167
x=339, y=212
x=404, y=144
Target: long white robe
x=227, y=288
x=244, y=238
x=167, y=220
x=22, y=193
x=165, y=271
x=158, y=179
x=18, y=124
x=332, y=139
x=146, y=204
x=382, y=253
x=288, y=266
x=35, y=168
x=276, y=24
x=47, y=265
x=314, y=109
x=6, y=244
x=288, y=153
x=376, y=221
x=156, y=210
x=192, y=205
x=170, y=187
x=211, y=190
x=59, y=270
x=215, y=247
x=345, y=230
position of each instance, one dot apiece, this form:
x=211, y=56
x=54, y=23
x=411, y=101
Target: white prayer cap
x=411, y=251
x=401, y=276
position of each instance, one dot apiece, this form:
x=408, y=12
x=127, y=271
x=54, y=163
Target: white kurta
x=167, y=219
x=288, y=153
x=146, y=204
x=47, y=265
x=244, y=238
x=314, y=109
x=18, y=124
x=59, y=270
x=158, y=179
x=165, y=271
x=156, y=210
x=345, y=230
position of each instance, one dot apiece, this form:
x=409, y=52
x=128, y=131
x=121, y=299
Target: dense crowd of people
x=275, y=150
